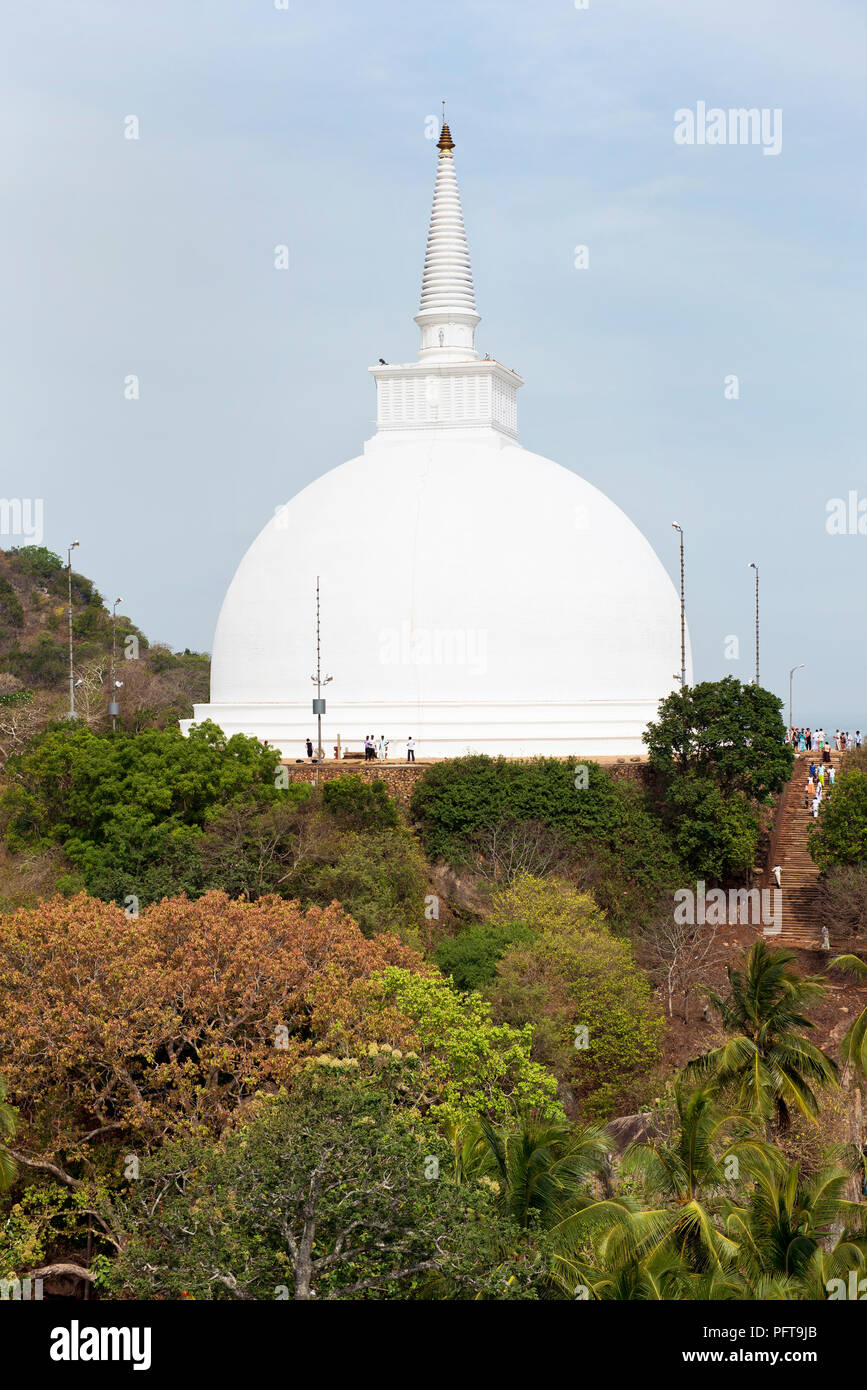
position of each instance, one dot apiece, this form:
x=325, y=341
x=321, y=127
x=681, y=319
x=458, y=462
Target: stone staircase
x=799, y=876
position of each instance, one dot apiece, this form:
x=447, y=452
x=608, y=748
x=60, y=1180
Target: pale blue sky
x=307, y=126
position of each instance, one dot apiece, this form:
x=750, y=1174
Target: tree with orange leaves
x=144, y=1025
x=138, y=1028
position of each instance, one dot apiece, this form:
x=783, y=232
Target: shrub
x=45, y=663
x=457, y=802
x=379, y=878
x=359, y=805
x=36, y=562
x=470, y=959
x=10, y=605
x=842, y=901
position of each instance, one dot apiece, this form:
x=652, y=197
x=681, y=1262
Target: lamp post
x=800, y=667
x=69, y=551
x=114, y=707
x=319, y=681
x=679, y=530
x=753, y=566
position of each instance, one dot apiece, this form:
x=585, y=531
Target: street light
x=318, y=681
x=791, y=673
x=71, y=677
x=114, y=706
x=753, y=566
x=679, y=530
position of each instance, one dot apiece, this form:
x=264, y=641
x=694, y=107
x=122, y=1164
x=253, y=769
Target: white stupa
x=474, y=595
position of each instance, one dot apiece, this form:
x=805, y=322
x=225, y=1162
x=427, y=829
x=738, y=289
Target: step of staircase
x=799, y=875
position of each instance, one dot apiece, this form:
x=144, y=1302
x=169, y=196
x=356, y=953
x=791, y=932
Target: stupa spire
x=447, y=315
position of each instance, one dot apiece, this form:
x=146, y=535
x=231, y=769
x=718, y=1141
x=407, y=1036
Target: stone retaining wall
x=400, y=778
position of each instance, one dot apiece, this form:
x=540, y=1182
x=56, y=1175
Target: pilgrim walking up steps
x=799, y=874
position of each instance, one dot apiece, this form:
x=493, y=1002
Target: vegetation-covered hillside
x=261, y=1041
x=159, y=686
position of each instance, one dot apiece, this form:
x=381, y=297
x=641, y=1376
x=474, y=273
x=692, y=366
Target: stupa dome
x=474, y=595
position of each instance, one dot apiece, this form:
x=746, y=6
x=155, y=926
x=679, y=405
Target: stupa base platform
x=598, y=728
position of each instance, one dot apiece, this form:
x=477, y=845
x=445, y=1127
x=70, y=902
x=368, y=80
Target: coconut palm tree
x=542, y=1174
x=790, y=1220
x=853, y=1048
x=540, y=1169
x=618, y=1270
x=838, y=1263
x=767, y=1066
x=690, y=1169
x=8, y=1126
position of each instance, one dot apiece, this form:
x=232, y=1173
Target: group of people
x=373, y=748
x=808, y=740
x=820, y=780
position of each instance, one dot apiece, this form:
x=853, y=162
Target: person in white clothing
x=383, y=747
x=410, y=749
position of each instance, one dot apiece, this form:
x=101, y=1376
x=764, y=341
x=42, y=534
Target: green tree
x=539, y=1169
x=840, y=837
x=767, y=1063
x=541, y=1174
x=378, y=877
x=145, y=862
x=721, y=731
x=309, y=847
x=595, y=1021
x=714, y=835
x=472, y=1065
x=335, y=1192
x=98, y=796
x=249, y=849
